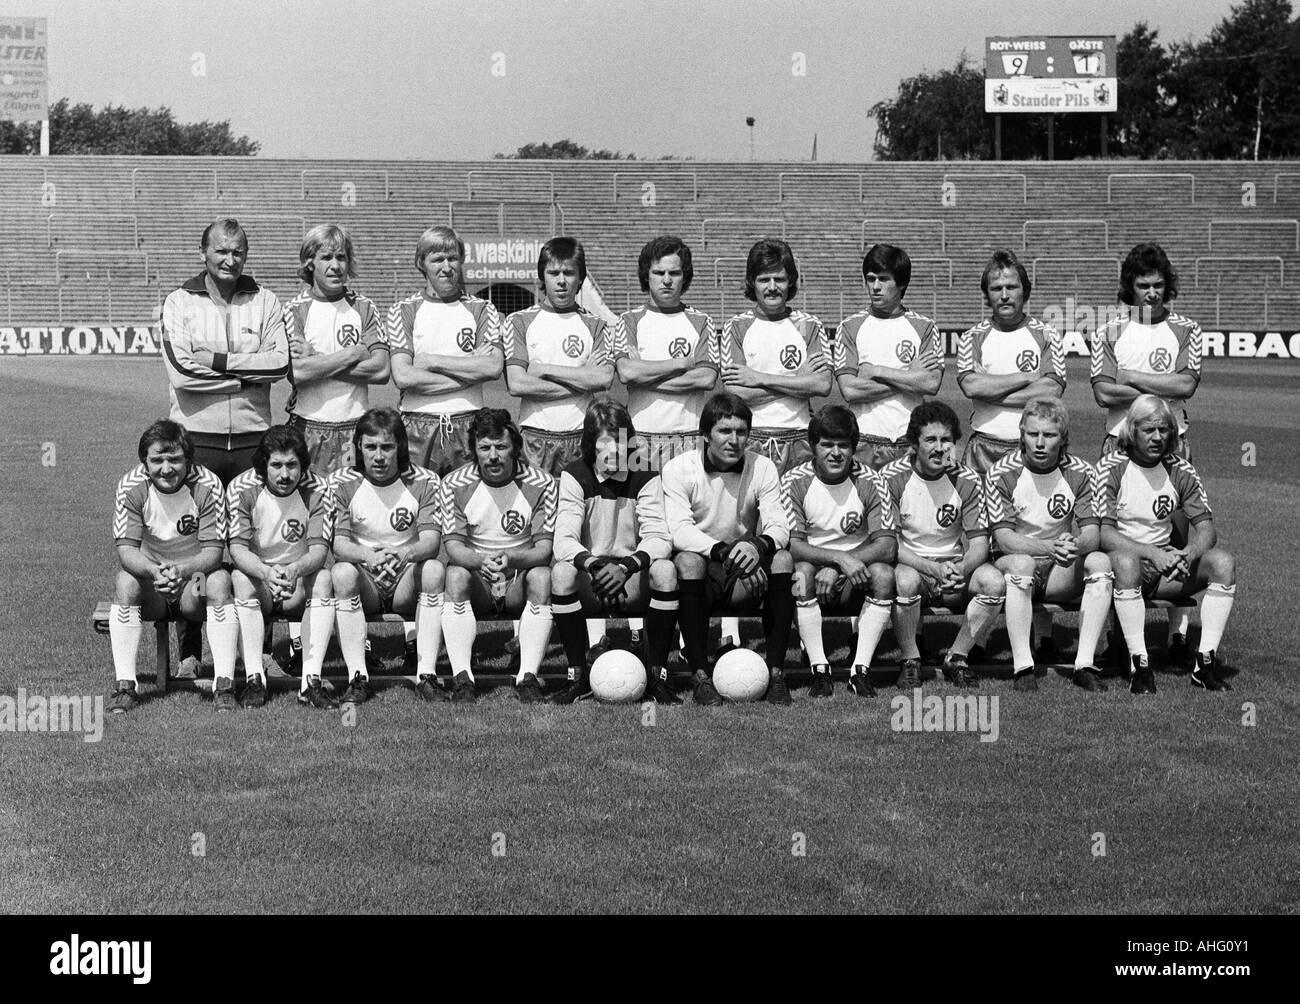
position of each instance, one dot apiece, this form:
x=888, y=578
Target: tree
x=934, y=117
x=1235, y=94
x=565, y=149
x=1232, y=95
x=1143, y=126
x=79, y=129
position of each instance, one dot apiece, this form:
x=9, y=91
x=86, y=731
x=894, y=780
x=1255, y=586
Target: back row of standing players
x=226, y=340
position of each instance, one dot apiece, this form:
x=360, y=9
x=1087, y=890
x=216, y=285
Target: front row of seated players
x=733, y=533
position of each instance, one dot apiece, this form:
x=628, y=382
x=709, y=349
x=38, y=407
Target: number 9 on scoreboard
x=1015, y=64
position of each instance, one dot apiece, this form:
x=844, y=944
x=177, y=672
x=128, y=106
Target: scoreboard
x=1048, y=74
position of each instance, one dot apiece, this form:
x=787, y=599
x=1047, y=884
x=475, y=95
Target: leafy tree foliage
x=565, y=149
x=936, y=116
x=79, y=129
x=1233, y=95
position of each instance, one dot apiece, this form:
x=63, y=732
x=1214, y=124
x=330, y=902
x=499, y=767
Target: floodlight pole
x=749, y=121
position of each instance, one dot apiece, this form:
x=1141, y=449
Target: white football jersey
x=465, y=327
x=499, y=517
x=907, y=342
x=1141, y=501
x=385, y=515
x=572, y=338
x=277, y=528
x=650, y=334
x=933, y=515
x=1172, y=346
x=170, y=526
x=783, y=346
x=838, y=517
x=329, y=326
x=1034, y=347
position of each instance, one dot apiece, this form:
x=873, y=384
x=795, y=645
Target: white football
x=617, y=677
x=741, y=675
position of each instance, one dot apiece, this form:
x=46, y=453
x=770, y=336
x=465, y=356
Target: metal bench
x=163, y=678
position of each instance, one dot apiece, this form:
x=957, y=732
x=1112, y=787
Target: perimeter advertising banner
x=502, y=259
x=1046, y=74
x=94, y=339
x=24, y=82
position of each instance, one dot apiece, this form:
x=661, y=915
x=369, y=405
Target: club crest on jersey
x=465, y=339
x=679, y=348
x=572, y=346
x=946, y=515
x=1163, y=506
x=1058, y=506
x=850, y=522
x=292, y=530
x=1160, y=359
x=349, y=335
x=906, y=351
x=401, y=519
x=512, y=522
x=1027, y=361
x=187, y=524
x=791, y=357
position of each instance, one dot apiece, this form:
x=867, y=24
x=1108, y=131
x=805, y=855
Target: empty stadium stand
x=103, y=239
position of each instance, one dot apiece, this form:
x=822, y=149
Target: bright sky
x=339, y=79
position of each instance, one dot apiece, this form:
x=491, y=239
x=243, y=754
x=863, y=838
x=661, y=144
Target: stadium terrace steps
x=1070, y=222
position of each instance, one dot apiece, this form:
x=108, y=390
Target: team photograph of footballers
x=718, y=490
x=461, y=509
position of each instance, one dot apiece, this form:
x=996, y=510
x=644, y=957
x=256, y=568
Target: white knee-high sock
x=595, y=630
x=351, y=620
x=459, y=629
x=428, y=617
x=977, y=625
x=295, y=635
x=534, y=634
x=1215, y=608
x=730, y=628
x=907, y=619
x=223, y=639
x=1020, y=618
x=1093, y=608
x=1131, y=613
x=871, y=625
x=124, y=630
x=808, y=613
x=317, y=626
x=252, y=632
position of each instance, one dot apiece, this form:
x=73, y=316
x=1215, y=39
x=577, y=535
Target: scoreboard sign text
x=1046, y=74
x=24, y=85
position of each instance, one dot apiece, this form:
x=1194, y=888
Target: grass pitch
x=499, y=807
